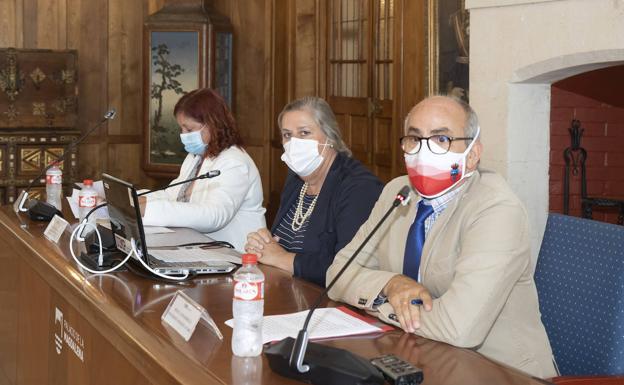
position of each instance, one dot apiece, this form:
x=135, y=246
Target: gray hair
x=323, y=116
x=471, y=124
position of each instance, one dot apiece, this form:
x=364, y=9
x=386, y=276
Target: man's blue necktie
x=415, y=241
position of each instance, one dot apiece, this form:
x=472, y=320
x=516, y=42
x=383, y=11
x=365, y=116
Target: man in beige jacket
x=473, y=272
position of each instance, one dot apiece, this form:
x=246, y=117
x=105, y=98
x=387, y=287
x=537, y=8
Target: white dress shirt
x=225, y=208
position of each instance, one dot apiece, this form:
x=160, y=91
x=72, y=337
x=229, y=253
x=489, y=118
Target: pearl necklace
x=300, y=217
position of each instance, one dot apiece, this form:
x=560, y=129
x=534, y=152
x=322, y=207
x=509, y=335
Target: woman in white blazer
x=227, y=207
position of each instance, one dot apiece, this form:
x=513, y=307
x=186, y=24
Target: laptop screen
x=125, y=215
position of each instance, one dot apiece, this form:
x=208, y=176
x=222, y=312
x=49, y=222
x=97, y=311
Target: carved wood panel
x=38, y=115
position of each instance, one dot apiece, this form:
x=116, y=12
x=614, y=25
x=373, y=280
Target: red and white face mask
x=433, y=175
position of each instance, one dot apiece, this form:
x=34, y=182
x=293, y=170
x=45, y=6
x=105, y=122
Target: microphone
x=325, y=364
x=207, y=175
x=43, y=211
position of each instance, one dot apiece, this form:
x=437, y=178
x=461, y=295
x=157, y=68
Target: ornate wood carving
x=38, y=113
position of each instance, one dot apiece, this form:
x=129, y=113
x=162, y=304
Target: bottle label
x=248, y=291
x=54, y=179
x=86, y=201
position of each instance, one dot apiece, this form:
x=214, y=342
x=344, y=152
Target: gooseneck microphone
x=44, y=211
x=325, y=364
x=207, y=175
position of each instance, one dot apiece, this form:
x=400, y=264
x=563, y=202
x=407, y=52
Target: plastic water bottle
x=248, y=308
x=54, y=185
x=246, y=370
x=87, y=199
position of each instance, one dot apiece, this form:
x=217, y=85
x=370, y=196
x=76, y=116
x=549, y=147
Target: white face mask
x=433, y=175
x=302, y=156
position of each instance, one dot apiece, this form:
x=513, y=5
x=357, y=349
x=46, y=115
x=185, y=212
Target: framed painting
x=174, y=71
x=186, y=46
x=448, y=32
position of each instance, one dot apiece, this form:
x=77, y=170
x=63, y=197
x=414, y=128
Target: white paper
x=55, y=228
x=325, y=323
x=157, y=230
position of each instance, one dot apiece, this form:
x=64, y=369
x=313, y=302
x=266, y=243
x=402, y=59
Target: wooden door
x=360, y=65
x=371, y=73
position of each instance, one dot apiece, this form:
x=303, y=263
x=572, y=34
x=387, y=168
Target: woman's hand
x=268, y=250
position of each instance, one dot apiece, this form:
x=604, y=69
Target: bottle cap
x=88, y=182
x=250, y=259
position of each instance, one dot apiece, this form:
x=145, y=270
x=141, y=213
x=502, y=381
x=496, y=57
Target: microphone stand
x=209, y=174
x=43, y=210
x=327, y=365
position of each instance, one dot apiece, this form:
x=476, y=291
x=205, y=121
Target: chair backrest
x=580, y=283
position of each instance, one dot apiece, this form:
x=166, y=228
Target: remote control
x=396, y=371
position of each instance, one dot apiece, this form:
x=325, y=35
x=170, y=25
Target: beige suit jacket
x=475, y=263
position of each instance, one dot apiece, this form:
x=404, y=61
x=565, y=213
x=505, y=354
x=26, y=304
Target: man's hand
x=401, y=290
x=268, y=250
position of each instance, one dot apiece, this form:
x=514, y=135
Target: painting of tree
x=174, y=63
x=166, y=80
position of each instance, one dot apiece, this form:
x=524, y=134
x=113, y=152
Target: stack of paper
x=325, y=323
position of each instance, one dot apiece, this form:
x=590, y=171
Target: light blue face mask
x=193, y=142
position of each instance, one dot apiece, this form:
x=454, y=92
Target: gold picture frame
x=448, y=24
x=186, y=46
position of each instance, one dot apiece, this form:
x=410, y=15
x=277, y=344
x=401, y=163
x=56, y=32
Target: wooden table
x=60, y=326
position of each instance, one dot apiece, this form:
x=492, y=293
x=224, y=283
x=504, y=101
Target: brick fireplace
x=596, y=99
x=518, y=50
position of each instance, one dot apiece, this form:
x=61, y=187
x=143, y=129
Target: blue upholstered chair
x=580, y=283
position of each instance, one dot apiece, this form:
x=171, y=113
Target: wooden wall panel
x=51, y=23
x=108, y=37
x=73, y=25
x=122, y=155
x=251, y=74
x=410, y=39
x=124, y=66
x=89, y=165
x=10, y=27
x=93, y=101
x=306, y=48
x=280, y=91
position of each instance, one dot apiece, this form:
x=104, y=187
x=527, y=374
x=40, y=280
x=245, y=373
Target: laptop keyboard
x=183, y=257
x=157, y=263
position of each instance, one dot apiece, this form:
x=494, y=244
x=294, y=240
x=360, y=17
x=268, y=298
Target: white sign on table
x=55, y=229
x=183, y=314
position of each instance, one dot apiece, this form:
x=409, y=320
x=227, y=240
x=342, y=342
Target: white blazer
x=225, y=208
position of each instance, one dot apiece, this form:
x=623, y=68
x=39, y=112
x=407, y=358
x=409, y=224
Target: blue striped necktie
x=415, y=241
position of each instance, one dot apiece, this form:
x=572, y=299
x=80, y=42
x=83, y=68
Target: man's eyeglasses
x=411, y=144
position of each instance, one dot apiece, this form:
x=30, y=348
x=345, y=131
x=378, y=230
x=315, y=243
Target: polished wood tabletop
x=125, y=310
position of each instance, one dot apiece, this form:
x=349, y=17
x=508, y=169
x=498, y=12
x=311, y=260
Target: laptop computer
x=127, y=225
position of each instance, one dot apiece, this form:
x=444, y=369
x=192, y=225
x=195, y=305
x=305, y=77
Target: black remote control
x=396, y=371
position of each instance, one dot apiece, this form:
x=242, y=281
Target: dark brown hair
x=208, y=107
